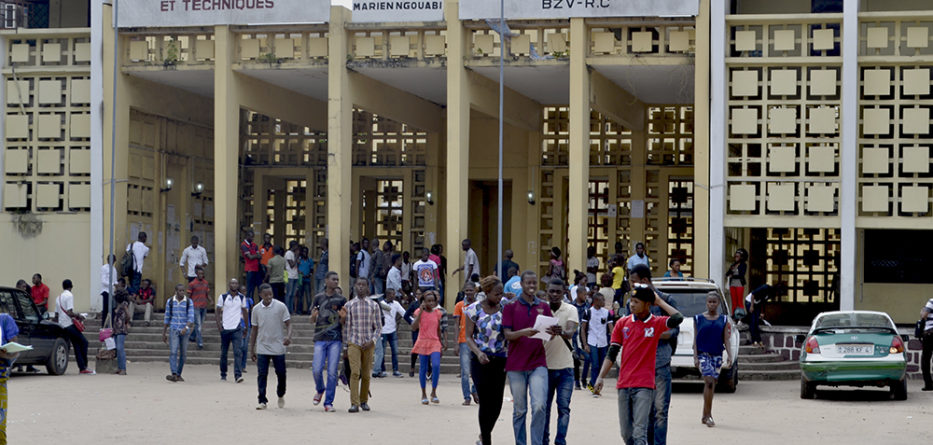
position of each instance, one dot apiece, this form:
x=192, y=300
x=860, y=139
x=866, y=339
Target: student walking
x=121, y=328
x=293, y=285
x=8, y=332
x=328, y=338
x=486, y=340
x=711, y=331
x=637, y=337
x=409, y=318
x=594, y=332
x=463, y=349
x=229, y=313
x=362, y=326
x=560, y=360
x=275, y=273
x=391, y=310
x=430, y=343
x=583, y=307
x=270, y=334
x=194, y=256
x=66, y=317
x=199, y=290
x=179, y=319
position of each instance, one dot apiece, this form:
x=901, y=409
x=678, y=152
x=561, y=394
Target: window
x=29, y=310
x=7, y=305
x=898, y=256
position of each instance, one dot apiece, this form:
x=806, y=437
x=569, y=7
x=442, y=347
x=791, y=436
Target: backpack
x=171, y=313
x=128, y=262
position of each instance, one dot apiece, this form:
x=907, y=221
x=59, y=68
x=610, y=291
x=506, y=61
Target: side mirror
x=799, y=338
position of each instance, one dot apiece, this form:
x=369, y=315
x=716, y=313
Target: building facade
x=799, y=131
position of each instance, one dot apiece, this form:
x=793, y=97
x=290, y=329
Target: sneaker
x=577, y=386
x=87, y=372
x=170, y=377
x=329, y=409
x=397, y=374
x=239, y=379
x=354, y=409
x=475, y=397
x=590, y=388
x=317, y=399
x=200, y=347
x=261, y=406
x=281, y=402
x=179, y=379
x=411, y=373
x=383, y=374
x=709, y=422
x=927, y=388
x=364, y=406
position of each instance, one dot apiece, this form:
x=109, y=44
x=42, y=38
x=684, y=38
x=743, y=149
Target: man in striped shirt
x=362, y=327
x=179, y=318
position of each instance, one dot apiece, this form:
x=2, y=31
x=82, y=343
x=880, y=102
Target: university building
x=799, y=130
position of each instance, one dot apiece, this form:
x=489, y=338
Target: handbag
x=79, y=325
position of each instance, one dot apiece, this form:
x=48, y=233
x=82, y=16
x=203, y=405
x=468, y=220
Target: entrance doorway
x=383, y=212
x=284, y=207
x=484, y=200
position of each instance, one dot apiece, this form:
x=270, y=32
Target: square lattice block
x=435, y=45
x=784, y=40
x=875, y=160
x=82, y=52
x=285, y=48
x=51, y=52
x=782, y=159
x=50, y=92
x=745, y=121
x=17, y=126
x=204, y=49
x=820, y=198
x=50, y=126
x=399, y=46
x=14, y=195
x=781, y=197
x=877, y=37
x=783, y=82
x=918, y=37
x=821, y=159
x=19, y=52
x=48, y=195
x=16, y=162
x=742, y=198
x=317, y=46
x=556, y=43
x=679, y=41
x=603, y=42
x=916, y=81
x=915, y=199
x=823, y=82
x=877, y=83
x=875, y=198
x=914, y=160
x=876, y=121
x=744, y=83
x=249, y=49
x=80, y=91
x=823, y=39
x=745, y=40
x=139, y=50
x=822, y=120
x=79, y=161
x=17, y=92
x=50, y=161
x=782, y=120
x=80, y=126
x=641, y=42
x=483, y=43
x=916, y=121
x=521, y=45
x=79, y=196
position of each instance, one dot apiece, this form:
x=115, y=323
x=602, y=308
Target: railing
x=641, y=40
x=423, y=44
x=528, y=41
x=170, y=48
x=280, y=47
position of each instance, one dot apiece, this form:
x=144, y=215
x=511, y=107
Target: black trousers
x=262, y=371
x=925, y=358
x=79, y=344
x=490, y=385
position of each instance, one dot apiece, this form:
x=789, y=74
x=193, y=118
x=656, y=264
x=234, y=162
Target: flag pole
x=113, y=149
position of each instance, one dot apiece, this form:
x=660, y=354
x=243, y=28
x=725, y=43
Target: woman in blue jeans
x=121, y=327
x=595, y=339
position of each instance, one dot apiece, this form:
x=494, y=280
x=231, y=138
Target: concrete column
x=848, y=191
x=339, y=147
x=226, y=153
x=639, y=180
x=701, y=148
x=717, y=138
x=579, y=165
x=458, y=145
x=100, y=231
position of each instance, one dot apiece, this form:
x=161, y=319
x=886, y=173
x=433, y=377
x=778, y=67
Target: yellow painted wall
x=901, y=301
x=58, y=252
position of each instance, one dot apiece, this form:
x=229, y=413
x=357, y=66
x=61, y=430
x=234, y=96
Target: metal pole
x=502, y=37
x=113, y=147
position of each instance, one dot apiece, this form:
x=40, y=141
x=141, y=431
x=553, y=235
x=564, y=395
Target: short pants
x=709, y=364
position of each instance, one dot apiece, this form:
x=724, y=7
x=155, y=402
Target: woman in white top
x=594, y=330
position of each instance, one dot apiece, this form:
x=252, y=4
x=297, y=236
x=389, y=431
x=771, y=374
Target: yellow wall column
x=579, y=165
x=226, y=152
x=701, y=146
x=339, y=148
x=458, y=147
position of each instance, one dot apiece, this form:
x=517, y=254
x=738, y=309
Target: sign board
x=562, y=9
x=164, y=13
x=398, y=10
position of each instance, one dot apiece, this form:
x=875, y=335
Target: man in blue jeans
x=328, y=339
x=179, y=319
x=526, y=364
x=391, y=309
x=230, y=313
x=560, y=360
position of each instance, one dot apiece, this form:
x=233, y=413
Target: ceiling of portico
x=653, y=84
x=200, y=82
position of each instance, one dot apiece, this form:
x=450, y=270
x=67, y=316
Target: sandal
x=466, y=402
x=709, y=422
x=435, y=400
x=424, y=401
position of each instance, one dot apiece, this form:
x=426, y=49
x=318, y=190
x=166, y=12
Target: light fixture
x=198, y=189
x=429, y=197
x=531, y=197
x=168, y=185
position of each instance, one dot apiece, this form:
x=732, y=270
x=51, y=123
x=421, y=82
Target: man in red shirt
x=199, y=290
x=251, y=257
x=40, y=293
x=637, y=336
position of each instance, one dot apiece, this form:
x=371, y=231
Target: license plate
x=855, y=349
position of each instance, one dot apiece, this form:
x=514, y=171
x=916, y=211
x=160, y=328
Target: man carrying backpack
x=179, y=318
x=132, y=262
x=231, y=310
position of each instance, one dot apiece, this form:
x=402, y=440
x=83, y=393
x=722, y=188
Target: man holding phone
x=328, y=338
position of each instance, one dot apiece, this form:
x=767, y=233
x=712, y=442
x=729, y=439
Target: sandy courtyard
x=143, y=408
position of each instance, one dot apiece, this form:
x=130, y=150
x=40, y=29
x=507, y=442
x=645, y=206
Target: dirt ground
x=143, y=408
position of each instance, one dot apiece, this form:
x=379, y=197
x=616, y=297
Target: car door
x=31, y=329
x=8, y=306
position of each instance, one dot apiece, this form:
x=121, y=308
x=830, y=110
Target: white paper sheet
x=542, y=323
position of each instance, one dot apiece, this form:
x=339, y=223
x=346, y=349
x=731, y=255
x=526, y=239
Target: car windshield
x=850, y=322
x=691, y=302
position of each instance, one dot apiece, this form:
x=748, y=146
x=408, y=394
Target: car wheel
x=899, y=389
x=807, y=389
x=729, y=381
x=58, y=359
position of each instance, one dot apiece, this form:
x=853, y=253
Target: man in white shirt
x=363, y=260
x=639, y=258
x=394, y=278
x=390, y=309
x=231, y=310
x=559, y=355
x=108, y=281
x=470, y=261
x=426, y=270
x=291, y=269
x=140, y=252
x=65, y=315
x=271, y=321
x=194, y=256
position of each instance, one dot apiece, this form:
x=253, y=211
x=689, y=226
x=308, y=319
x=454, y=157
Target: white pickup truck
x=690, y=296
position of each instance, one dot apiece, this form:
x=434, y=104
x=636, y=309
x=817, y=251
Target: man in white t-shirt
x=364, y=260
x=426, y=270
x=592, y=266
x=640, y=257
x=230, y=311
x=559, y=355
x=470, y=261
x=394, y=277
x=140, y=252
x=390, y=310
x=291, y=269
x=65, y=315
x=194, y=255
